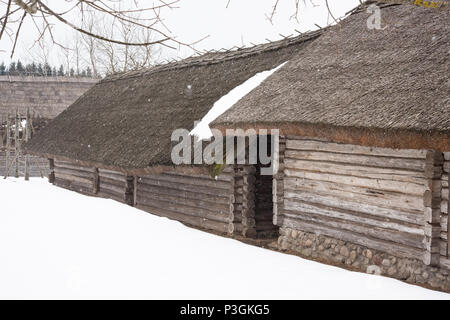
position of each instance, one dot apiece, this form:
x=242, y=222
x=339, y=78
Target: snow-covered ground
x=58, y=244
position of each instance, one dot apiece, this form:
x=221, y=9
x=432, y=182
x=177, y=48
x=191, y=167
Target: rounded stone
x=353, y=256
x=425, y=275
x=391, y=271
x=386, y=262
x=373, y=269
x=344, y=251
x=294, y=234
x=368, y=254
x=308, y=243
x=321, y=248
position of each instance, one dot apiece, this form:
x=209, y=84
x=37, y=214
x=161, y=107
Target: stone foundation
x=349, y=255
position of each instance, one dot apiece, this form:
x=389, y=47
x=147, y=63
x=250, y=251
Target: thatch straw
x=385, y=87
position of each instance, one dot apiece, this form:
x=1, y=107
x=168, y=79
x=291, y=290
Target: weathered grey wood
x=314, y=145
x=176, y=199
x=321, y=210
x=382, y=162
x=188, y=219
x=224, y=176
x=225, y=199
x=411, y=217
x=189, y=181
x=74, y=178
x=184, y=187
x=74, y=172
x=356, y=238
x=112, y=188
x=185, y=209
x=379, y=184
x=67, y=165
x=384, y=199
x=357, y=171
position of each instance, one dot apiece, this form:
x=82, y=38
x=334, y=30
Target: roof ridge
x=221, y=55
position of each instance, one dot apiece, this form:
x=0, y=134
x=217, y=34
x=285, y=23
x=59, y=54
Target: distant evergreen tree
x=88, y=72
x=12, y=69
x=47, y=70
x=54, y=73
x=34, y=69
x=40, y=70
x=61, y=71
x=72, y=72
x=83, y=73
x=2, y=69
x=19, y=68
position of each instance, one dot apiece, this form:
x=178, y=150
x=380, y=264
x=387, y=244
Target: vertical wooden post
x=8, y=142
x=135, y=186
x=51, y=175
x=96, y=182
x=27, y=137
x=16, y=144
x=432, y=203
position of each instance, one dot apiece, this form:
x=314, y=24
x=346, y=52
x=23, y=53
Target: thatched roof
x=126, y=120
x=387, y=87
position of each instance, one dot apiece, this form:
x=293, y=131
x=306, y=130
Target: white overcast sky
x=243, y=22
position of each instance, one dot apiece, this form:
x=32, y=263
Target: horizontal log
x=185, y=187
x=382, y=162
x=116, y=177
x=341, y=202
x=111, y=195
x=378, y=184
x=314, y=145
x=383, y=199
x=112, y=188
x=187, y=210
x=80, y=180
x=301, y=207
x=69, y=165
x=444, y=206
x=356, y=238
x=227, y=177
x=188, y=219
x=117, y=183
x=74, y=172
x=186, y=181
x=357, y=171
x=174, y=198
x=226, y=200
x=444, y=193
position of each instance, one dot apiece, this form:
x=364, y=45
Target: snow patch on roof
x=202, y=130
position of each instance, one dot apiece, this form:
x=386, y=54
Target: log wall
x=237, y=202
x=444, y=238
x=374, y=197
x=196, y=200
x=114, y=185
x=72, y=176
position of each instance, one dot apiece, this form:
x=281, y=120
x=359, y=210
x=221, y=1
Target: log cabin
x=115, y=141
x=364, y=145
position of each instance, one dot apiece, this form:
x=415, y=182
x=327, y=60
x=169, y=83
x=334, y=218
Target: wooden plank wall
x=115, y=185
x=74, y=177
x=373, y=197
x=278, y=184
x=194, y=199
x=445, y=205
